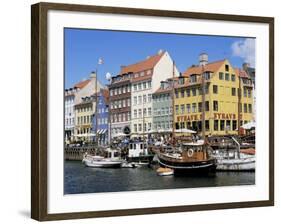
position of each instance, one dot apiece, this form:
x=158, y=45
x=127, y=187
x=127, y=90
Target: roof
x=210, y=67
x=161, y=90
x=147, y=64
x=241, y=73
x=82, y=84
x=105, y=93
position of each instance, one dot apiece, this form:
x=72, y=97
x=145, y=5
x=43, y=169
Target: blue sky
x=84, y=47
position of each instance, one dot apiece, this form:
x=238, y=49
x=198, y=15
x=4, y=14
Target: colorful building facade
x=162, y=107
x=146, y=79
x=224, y=108
x=101, y=130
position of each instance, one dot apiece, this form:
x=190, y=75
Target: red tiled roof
x=142, y=65
x=82, y=84
x=142, y=78
x=241, y=73
x=161, y=90
x=211, y=67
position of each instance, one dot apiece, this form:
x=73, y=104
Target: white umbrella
x=185, y=130
x=165, y=130
x=249, y=125
x=120, y=135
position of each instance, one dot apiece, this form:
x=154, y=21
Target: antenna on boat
x=203, y=102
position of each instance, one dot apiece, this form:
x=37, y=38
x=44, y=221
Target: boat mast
x=203, y=104
x=173, y=103
x=96, y=85
x=239, y=103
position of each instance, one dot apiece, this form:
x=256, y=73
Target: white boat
x=101, y=161
x=234, y=160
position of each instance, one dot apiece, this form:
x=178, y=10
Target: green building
x=162, y=107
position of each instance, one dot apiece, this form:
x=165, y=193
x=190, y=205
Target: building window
x=135, y=128
x=193, y=78
x=199, y=107
x=227, y=68
x=177, y=94
x=149, y=111
x=233, y=91
x=215, y=89
x=206, y=75
x=177, y=109
x=207, y=125
x=140, y=100
x=182, y=108
x=188, y=108
x=222, y=122
x=149, y=98
x=233, y=78
x=228, y=125
x=139, y=86
x=193, y=92
x=140, y=113
x=144, y=98
x=216, y=125
x=215, y=105
x=234, y=125
x=227, y=76
x=182, y=93
x=135, y=87
x=221, y=75
x=149, y=84
x=250, y=108
x=249, y=93
x=135, y=113
x=245, y=108
x=140, y=127
x=207, y=106
x=194, y=108
x=144, y=112
x=144, y=85
x=188, y=92
x=135, y=100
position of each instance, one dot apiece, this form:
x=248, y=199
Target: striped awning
x=102, y=131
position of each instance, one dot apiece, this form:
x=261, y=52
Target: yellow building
x=222, y=83
x=83, y=118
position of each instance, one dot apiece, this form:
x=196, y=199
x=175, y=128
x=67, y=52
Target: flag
x=100, y=62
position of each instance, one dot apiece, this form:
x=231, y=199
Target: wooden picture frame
x=39, y=108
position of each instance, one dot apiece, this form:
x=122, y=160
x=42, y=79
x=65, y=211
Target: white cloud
x=245, y=49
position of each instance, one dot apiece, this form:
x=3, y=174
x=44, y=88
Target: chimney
x=203, y=59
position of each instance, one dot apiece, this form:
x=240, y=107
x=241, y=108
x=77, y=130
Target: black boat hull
x=189, y=168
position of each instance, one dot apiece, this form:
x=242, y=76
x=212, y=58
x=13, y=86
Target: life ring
x=190, y=152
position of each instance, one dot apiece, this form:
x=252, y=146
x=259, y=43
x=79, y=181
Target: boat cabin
x=137, y=149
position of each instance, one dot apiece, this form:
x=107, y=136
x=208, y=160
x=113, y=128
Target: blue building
x=102, y=128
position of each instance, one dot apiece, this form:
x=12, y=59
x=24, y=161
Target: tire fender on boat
x=190, y=152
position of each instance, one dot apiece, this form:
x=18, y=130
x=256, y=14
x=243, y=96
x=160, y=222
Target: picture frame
x=40, y=104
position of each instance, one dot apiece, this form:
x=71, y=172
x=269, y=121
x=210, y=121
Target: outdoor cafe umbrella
x=185, y=130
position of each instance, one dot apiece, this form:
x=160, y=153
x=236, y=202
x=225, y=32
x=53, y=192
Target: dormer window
x=181, y=81
x=207, y=76
x=193, y=78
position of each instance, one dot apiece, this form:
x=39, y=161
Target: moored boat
x=164, y=171
x=101, y=161
x=189, y=158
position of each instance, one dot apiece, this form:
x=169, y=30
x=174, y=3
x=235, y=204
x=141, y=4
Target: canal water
x=81, y=179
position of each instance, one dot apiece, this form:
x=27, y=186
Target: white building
x=146, y=79
x=73, y=96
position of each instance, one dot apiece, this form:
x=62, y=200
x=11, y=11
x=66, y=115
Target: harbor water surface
x=81, y=179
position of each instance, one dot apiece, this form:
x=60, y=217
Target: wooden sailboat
x=188, y=158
